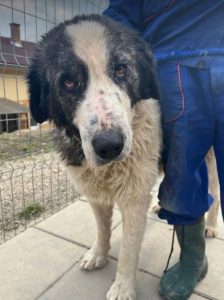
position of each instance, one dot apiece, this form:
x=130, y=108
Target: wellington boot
x=179, y=281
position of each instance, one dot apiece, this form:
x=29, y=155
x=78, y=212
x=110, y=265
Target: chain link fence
x=33, y=182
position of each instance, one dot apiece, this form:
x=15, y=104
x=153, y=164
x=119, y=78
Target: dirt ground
x=27, y=177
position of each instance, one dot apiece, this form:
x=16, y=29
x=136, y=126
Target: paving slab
x=155, y=247
x=213, y=284
x=81, y=285
x=76, y=223
x=80, y=227
x=32, y=261
x=155, y=251
x=41, y=263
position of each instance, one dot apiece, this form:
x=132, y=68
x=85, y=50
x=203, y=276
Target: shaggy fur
x=212, y=216
x=96, y=81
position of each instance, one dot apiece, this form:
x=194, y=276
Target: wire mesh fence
x=33, y=182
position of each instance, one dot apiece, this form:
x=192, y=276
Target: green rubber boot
x=179, y=281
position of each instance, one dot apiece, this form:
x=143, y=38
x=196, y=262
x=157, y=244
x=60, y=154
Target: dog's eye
x=120, y=71
x=70, y=85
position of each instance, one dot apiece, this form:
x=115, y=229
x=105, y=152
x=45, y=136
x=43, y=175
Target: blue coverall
x=190, y=35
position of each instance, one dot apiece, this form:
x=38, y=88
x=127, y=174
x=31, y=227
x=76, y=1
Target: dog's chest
x=103, y=183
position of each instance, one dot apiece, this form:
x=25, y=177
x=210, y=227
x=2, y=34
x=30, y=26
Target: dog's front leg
x=96, y=257
x=134, y=219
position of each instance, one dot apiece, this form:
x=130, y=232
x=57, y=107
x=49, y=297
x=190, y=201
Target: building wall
x=14, y=88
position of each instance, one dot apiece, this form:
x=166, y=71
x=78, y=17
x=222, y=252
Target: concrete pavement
x=42, y=263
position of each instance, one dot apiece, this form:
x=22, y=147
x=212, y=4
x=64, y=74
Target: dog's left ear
x=148, y=82
x=38, y=91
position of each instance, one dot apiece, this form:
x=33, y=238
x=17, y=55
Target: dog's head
x=87, y=76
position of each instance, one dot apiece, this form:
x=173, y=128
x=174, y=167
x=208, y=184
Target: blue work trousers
x=192, y=105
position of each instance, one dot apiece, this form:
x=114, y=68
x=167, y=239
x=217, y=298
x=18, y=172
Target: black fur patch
x=68, y=144
x=127, y=48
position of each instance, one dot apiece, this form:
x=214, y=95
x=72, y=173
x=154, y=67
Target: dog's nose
x=108, y=144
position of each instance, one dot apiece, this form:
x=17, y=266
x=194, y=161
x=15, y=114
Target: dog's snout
x=108, y=144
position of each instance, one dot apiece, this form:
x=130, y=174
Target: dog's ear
x=148, y=82
x=38, y=91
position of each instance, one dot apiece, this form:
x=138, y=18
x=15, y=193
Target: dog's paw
x=119, y=291
x=211, y=232
x=93, y=260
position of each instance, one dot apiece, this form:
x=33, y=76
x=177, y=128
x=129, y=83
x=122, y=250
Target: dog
x=96, y=81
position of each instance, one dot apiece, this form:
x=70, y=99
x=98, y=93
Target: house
x=29, y=20
x=13, y=116
x=14, y=60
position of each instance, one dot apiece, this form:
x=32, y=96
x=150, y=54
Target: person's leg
x=188, y=133
x=184, y=191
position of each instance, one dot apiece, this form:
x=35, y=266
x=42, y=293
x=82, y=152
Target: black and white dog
x=95, y=79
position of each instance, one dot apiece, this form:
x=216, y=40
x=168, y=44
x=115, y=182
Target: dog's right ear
x=38, y=91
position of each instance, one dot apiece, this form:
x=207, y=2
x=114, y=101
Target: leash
x=171, y=251
x=179, y=54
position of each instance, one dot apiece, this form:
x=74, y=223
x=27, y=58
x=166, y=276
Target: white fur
x=103, y=98
x=212, y=216
x=127, y=183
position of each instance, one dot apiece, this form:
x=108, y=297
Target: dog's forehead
x=89, y=42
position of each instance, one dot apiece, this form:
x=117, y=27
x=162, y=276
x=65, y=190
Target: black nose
x=108, y=144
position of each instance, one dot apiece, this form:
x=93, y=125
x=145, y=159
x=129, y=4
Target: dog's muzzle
x=108, y=144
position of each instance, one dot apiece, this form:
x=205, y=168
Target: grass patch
x=31, y=211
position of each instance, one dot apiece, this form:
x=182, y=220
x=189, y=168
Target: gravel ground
x=34, y=179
